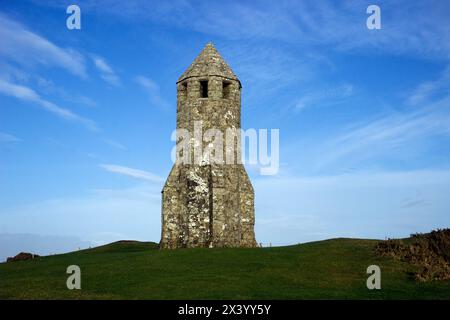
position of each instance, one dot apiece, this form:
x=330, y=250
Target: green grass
x=331, y=269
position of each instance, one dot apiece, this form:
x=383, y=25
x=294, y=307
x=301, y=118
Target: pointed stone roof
x=209, y=63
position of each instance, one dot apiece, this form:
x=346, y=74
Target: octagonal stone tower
x=208, y=204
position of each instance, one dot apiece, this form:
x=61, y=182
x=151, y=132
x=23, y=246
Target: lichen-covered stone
x=208, y=204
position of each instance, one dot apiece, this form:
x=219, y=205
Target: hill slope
x=331, y=269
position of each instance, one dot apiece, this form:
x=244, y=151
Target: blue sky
x=86, y=116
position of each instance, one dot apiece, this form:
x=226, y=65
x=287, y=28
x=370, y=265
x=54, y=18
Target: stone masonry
x=208, y=204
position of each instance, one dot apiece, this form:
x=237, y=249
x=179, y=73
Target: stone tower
x=205, y=203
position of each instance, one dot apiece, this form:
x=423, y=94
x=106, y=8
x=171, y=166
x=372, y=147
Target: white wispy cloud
x=24, y=47
x=114, y=144
x=430, y=89
x=388, y=136
x=45, y=85
x=406, y=133
x=106, y=71
x=303, y=23
x=6, y=137
x=133, y=173
x=153, y=91
x=48, y=87
x=324, y=97
x=27, y=94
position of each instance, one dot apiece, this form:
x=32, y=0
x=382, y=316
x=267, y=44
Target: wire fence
x=274, y=244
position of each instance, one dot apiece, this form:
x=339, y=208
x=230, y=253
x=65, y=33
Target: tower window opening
x=184, y=89
x=204, y=89
x=226, y=88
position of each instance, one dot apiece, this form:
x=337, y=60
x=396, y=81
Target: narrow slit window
x=204, y=89
x=184, y=89
x=226, y=86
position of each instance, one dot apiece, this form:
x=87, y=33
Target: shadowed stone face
x=208, y=204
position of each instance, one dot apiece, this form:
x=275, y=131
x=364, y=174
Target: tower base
x=208, y=206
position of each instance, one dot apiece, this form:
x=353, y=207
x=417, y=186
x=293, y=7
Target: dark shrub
x=429, y=251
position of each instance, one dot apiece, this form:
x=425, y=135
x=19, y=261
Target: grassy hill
x=331, y=269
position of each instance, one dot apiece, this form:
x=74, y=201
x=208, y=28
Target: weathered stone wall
x=208, y=204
